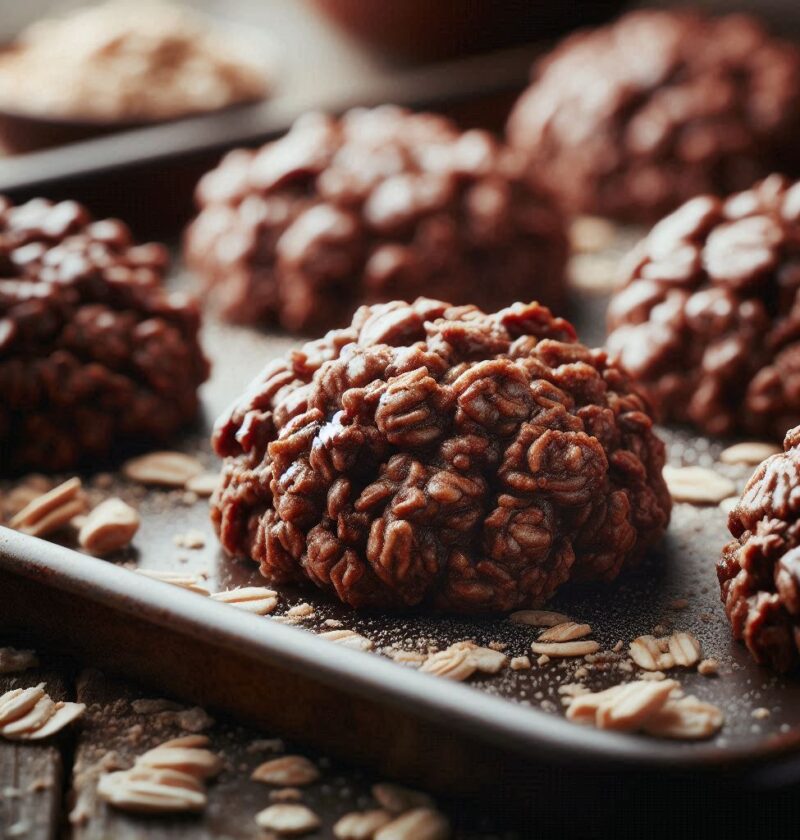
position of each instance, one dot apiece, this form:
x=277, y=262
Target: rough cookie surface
x=439, y=455
x=630, y=120
x=708, y=318
x=380, y=205
x=759, y=572
x=94, y=354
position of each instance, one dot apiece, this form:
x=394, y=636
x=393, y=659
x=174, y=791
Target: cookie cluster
x=95, y=356
x=433, y=454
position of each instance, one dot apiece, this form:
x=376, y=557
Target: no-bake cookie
x=631, y=119
x=379, y=205
x=759, y=572
x=94, y=355
x=433, y=454
x=707, y=320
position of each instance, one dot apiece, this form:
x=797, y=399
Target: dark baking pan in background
x=328, y=61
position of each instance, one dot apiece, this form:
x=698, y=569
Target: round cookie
x=759, y=572
x=707, y=318
x=432, y=454
x=377, y=205
x=94, y=355
x=631, y=119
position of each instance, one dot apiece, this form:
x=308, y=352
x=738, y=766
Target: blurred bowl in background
x=422, y=30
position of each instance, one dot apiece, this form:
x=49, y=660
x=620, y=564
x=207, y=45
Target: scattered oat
x=520, y=663
x=303, y=610
x=332, y=623
x=573, y=689
x=182, y=579
x=581, y=673
x=454, y=663
x=288, y=819
x=203, y=484
x=419, y=824
x=653, y=676
x=361, y=825
x=653, y=707
x=552, y=649
x=397, y=799
x=565, y=632
x=684, y=648
x=543, y=659
x=288, y=770
x=52, y=510
x=13, y=661
x=254, y=599
x=191, y=539
x=618, y=646
x=29, y=714
x=109, y=527
x=538, y=618
x=165, y=469
x=167, y=779
x=760, y=713
x=750, y=453
x=708, y=667
x=686, y=718
x=488, y=661
x=151, y=791
x=633, y=705
x=188, y=754
x=651, y=653
x=497, y=645
x=348, y=638
x=697, y=485
x=408, y=657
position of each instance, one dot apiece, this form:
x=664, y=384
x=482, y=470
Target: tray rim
x=529, y=733
x=423, y=86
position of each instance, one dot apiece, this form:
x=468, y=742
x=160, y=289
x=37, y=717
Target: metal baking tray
x=503, y=735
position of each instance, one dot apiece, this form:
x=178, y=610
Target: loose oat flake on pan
x=437, y=455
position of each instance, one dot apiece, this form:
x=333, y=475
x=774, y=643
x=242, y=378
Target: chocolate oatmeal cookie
x=630, y=120
x=759, y=572
x=94, y=355
x=433, y=454
x=708, y=318
x=378, y=205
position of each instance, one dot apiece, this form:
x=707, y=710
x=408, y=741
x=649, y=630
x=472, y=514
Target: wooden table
x=48, y=790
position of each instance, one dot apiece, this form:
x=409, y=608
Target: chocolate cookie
x=432, y=454
x=379, y=205
x=94, y=355
x=707, y=320
x=759, y=572
x=630, y=120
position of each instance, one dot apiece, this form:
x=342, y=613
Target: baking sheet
x=519, y=712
